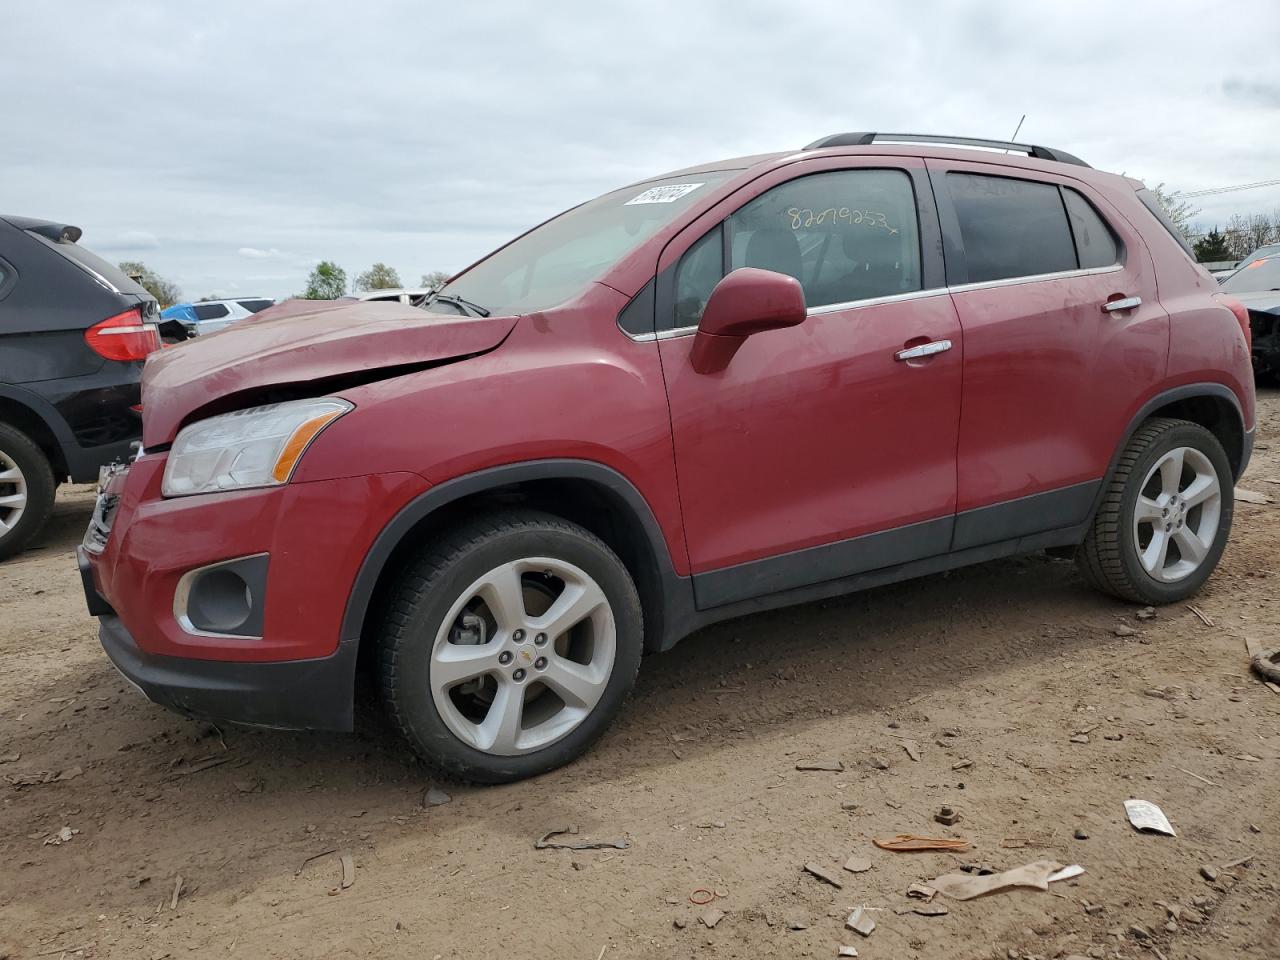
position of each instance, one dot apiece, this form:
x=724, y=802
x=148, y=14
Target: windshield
x=555, y=261
x=1260, y=275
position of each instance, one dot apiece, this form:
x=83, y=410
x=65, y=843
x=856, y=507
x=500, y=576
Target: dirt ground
x=994, y=672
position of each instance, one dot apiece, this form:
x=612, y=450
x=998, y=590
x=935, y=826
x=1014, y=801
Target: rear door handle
x=923, y=350
x=1126, y=303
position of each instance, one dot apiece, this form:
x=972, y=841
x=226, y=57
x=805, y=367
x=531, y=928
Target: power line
x=1216, y=190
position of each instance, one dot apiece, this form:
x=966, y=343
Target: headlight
x=258, y=447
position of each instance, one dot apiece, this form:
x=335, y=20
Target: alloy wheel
x=523, y=656
x=13, y=493
x=1176, y=517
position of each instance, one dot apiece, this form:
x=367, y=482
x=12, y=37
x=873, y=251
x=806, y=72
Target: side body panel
x=1050, y=378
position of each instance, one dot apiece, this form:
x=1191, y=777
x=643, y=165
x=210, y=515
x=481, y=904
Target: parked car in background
x=74, y=331
x=741, y=385
x=1256, y=284
x=185, y=320
x=414, y=297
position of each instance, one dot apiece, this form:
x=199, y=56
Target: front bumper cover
x=286, y=695
x=291, y=695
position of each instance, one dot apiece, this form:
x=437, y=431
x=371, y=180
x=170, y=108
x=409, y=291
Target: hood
x=1263, y=301
x=299, y=343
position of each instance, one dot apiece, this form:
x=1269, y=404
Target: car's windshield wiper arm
x=466, y=306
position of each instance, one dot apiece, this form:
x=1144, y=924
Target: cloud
x=424, y=141
x=1262, y=94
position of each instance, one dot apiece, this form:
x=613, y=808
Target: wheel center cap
x=525, y=655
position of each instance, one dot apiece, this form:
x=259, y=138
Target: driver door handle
x=923, y=350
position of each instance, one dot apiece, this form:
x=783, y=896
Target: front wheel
x=509, y=646
x=1165, y=517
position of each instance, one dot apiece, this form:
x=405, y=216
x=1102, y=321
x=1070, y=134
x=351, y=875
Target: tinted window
x=847, y=235
x=1151, y=203
x=699, y=271
x=1011, y=228
x=210, y=311
x=253, y=306
x=6, y=275
x=89, y=261
x=1096, y=245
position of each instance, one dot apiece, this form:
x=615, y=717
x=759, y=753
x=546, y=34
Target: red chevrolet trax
x=741, y=385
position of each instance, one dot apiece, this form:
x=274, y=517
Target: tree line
x=1237, y=239
x=328, y=281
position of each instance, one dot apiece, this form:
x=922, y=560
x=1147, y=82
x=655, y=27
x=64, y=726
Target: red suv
x=742, y=385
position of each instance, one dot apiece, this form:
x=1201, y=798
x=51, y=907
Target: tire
x=479, y=594
x=1121, y=553
x=26, y=490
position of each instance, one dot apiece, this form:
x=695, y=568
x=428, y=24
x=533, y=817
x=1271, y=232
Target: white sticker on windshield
x=668, y=194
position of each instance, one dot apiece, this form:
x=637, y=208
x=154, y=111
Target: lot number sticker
x=668, y=194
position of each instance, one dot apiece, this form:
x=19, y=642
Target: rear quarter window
x=1096, y=244
x=1153, y=205
x=254, y=306
x=88, y=261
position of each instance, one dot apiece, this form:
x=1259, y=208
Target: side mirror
x=747, y=301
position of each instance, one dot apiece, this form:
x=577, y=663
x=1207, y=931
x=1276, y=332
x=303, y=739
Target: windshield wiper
x=466, y=306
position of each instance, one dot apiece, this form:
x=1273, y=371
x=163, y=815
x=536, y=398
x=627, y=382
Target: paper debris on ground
x=857, y=864
x=1146, y=816
x=1066, y=873
x=964, y=886
x=860, y=922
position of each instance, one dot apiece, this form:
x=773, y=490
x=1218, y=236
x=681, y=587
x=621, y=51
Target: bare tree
x=378, y=277
x=435, y=279
x=165, y=292
x=1176, y=208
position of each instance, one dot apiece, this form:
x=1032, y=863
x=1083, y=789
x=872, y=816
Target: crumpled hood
x=1264, y=301
x=300, y=342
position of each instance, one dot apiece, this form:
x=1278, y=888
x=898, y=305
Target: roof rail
x=865, y=139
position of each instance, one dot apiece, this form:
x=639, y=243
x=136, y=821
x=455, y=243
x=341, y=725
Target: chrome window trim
x=1036, y=278
x=182, y=593
x=901, y=297
x=875, y=301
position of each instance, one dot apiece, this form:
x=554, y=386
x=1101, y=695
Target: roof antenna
x=1016, y=129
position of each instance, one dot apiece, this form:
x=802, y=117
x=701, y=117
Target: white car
x=413, y=297
x=210, y=316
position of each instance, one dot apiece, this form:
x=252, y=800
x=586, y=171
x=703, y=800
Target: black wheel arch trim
x=43, y=410
x=676, y=591
x=1188, y=391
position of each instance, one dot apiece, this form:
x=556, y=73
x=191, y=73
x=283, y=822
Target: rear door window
x=210, y=311
x=1096, y=245
x=1010, y=227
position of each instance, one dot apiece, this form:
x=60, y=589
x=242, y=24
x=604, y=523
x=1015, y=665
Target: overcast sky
x=232, y=145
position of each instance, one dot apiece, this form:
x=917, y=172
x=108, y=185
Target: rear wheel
x=509, y=646
x=1164, y=520
x=26, y=490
